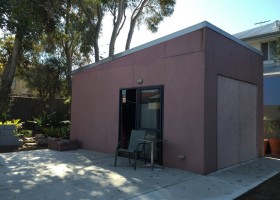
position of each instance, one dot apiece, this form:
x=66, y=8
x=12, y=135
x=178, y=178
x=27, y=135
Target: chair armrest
x=142, y=143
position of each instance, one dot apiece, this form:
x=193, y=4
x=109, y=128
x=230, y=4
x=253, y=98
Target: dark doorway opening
x=128, y=114
x=141, y=109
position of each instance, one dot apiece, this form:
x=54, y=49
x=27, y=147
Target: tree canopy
x=25, y=19
x=67, y=33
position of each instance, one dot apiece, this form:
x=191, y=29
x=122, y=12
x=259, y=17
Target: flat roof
x=167, y=38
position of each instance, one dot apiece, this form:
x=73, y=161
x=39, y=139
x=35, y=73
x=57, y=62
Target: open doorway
x=127, y=114
x=141, y=109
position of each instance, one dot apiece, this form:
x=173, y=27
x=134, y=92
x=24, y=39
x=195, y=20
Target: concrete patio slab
x=82, y=174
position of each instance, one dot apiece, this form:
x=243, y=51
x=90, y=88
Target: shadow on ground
x=46, y=174
x=81, y=174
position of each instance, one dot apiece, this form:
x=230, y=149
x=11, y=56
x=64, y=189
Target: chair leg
x=144, y=154
x=135, y=159
x=116, y=156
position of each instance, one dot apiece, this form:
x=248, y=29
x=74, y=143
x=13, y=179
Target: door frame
x=138, y=113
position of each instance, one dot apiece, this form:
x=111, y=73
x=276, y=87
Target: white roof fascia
x=166, y=38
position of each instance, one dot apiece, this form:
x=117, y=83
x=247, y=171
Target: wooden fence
x=26, y=108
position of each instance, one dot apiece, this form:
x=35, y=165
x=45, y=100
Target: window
x=272, y=52
x=265, y=51
x=268, y=50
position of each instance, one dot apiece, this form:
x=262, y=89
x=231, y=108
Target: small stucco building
x=199, y=89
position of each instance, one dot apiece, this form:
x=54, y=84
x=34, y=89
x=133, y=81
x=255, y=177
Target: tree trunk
x=69, y=69
x=136, y=14
x=97, y=31
x=130, y=34
x=95, y=28
x=116, y=27
x=8, y=76
x=67, y=49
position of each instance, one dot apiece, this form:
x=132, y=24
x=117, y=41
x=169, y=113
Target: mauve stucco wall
x=178, y=65
x=227, y=58
x=95, y=107
x=183, y=111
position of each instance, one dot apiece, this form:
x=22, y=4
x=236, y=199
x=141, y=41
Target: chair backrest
x=135, y=138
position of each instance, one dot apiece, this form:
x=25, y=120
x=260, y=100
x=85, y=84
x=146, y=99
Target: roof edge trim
x=263, y=36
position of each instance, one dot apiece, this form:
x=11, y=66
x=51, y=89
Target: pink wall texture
x=187, y=66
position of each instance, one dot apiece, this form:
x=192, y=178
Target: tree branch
x=122, y=23
x=135, y=15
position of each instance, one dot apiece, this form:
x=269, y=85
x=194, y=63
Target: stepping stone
x=30, y=144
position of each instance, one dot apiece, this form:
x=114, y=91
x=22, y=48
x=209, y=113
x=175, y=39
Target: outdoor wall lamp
x=181, y=156
x=140, y=81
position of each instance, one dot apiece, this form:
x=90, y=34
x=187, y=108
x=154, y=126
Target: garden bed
x=62, y=144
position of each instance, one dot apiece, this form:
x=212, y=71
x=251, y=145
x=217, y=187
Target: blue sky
x=232, y=16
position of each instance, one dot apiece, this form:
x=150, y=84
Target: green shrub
x=45, y=120
x=271, y=127
x=15, y=122
x=25, y=133
x=59, y=132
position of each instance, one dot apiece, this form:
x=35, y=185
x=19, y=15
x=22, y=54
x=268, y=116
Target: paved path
x=86, y=175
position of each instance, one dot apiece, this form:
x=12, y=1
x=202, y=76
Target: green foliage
x=153, y=13
x=68, y=100
x=6, y=47
x=15, y=122
x=56, y=36
x=45, y=78
x=27, y=20
x=45, y=120
x=156, y=11
x=73, y=32
x=59, y=132
x=4, y=115
x=49, y=124
x=276, y=51
x=271, y=127
x=25, y=133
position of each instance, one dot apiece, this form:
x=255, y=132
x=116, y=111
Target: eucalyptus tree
x=93, y=11
x=25, y=19
x=118, y=10
x=69, y=29
x=72, y=38
x=149, y=12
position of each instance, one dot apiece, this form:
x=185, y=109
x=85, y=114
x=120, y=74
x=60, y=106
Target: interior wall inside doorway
x=128, y=113
x=141, y=108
